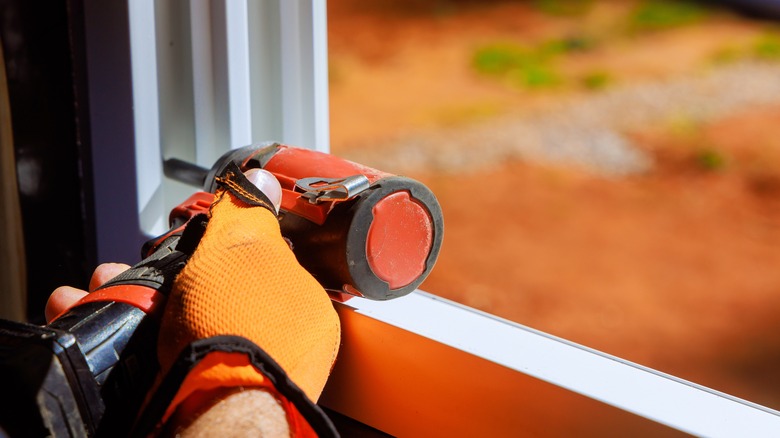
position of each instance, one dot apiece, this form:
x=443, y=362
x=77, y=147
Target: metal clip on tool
x=332, y=189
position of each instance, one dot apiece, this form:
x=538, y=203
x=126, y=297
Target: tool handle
x=357, y=230
x=115, y=329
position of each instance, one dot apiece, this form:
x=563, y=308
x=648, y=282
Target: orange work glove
x=244, y=280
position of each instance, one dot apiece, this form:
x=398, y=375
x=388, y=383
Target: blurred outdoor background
x=609, y=171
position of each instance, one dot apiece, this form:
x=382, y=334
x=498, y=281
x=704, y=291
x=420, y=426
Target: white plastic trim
x=143, y=53
x=320, y=106
x=205, y=107
x=242, y=71
x=304, y=64
x=488, y=343
x=240, y=106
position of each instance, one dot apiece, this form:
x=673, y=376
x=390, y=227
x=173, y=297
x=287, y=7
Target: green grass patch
x=519, y=65
x=596, y=80
x=536, y=76
x=562, y=46
x=710, y=159
x=653, y=15
x=767, y=47
x=727, y=55
x=528, y=67
x=499, y=59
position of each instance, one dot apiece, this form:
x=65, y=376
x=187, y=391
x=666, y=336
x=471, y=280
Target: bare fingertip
x=61, y=300
x=105, y=272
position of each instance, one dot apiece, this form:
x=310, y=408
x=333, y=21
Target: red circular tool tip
x=399, y=239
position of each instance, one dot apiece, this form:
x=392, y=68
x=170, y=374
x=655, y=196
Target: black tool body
x=84, y=372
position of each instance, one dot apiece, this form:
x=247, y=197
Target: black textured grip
x=87, y=373
x=45, y=383
x=158, y=271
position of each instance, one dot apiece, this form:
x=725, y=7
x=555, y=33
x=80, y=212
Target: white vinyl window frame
x=191, y=79
x=209, y=76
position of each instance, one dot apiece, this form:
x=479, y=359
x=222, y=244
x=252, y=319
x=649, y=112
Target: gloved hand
x=241, y=280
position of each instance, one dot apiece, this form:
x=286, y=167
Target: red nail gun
x=357, y=230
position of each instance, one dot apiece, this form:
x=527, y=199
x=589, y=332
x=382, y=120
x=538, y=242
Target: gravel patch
x=586, y=133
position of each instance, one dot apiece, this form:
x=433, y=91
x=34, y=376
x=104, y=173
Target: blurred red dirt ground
x=676, y=268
